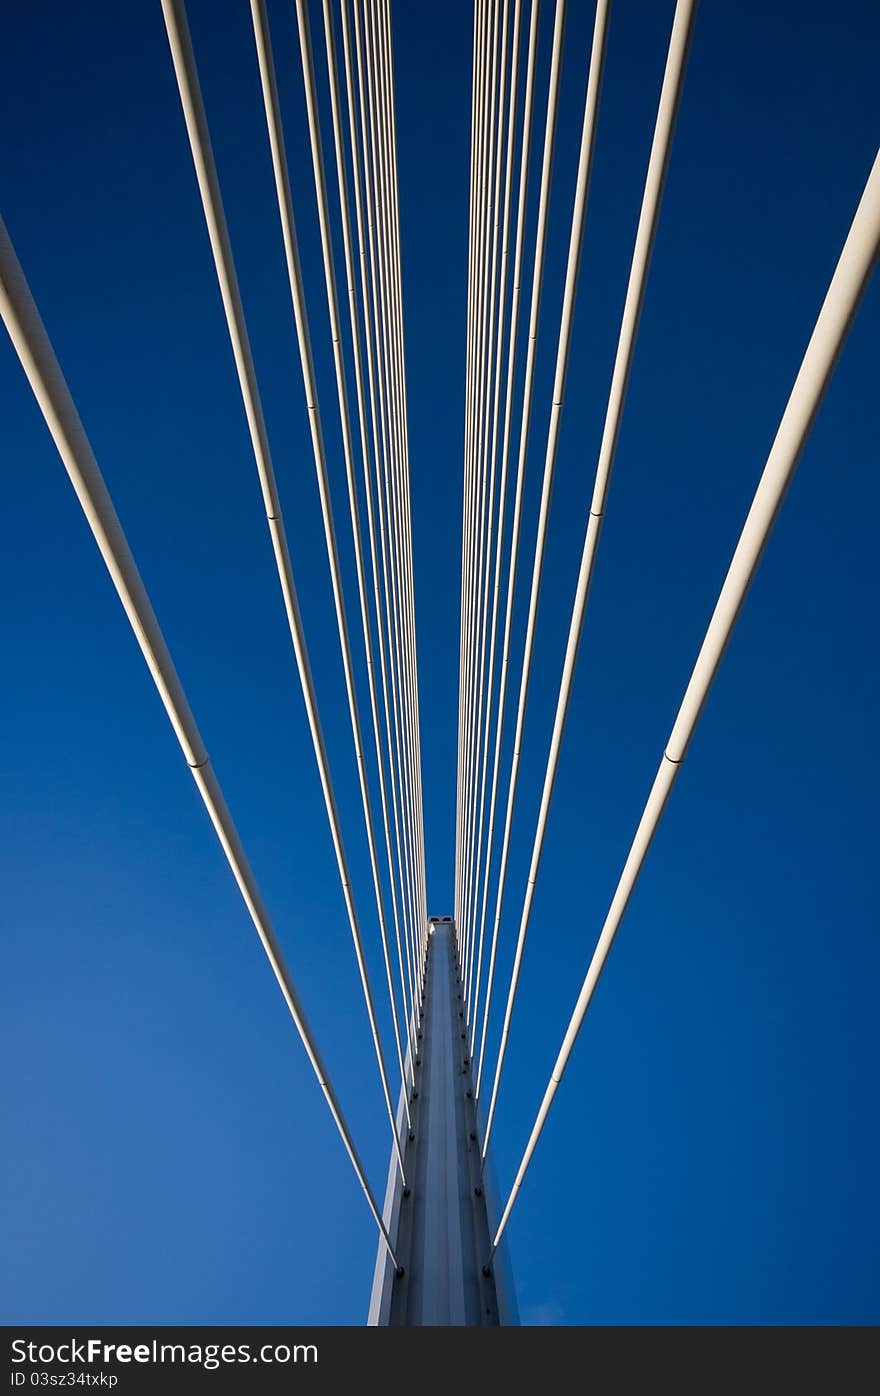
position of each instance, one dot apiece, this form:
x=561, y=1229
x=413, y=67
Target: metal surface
x=440, y=1225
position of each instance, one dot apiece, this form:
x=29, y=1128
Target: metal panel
x=439, y=1226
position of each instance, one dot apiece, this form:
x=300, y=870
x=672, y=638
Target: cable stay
x=376, y=381
x=34, y=349
x=479, y=902
x=534, y=316
x=851, y=276
x=339, y=148
x=670, y=96
x=378, y=554
x=440, y=971
x=286, y=213
x=483, y=685
x=183, y=58
x=391, y=526
x=517, y=505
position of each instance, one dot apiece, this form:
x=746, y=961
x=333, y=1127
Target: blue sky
x=713, y=1155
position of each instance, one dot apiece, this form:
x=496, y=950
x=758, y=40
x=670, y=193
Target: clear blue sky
x=713, y=1155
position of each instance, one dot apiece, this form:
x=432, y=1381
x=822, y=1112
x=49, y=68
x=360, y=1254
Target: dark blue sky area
x=713, y=1156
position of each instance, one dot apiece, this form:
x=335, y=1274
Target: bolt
x=415, y=1095
x=463, y=1036
x=400, y=1272
x=406, y=1192
x=469, y=1094
x=478, y=1192
x=412, y=1135
x=487, y=1271
x=473, y=1135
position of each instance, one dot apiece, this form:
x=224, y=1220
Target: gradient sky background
x=714, y=1154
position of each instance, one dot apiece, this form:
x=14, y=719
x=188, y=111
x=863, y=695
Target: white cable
x=566, y=321
x=374, y=387
x=480, y=455
x=408, y=537
x=481, y=41
x=534, y=316
x=383, y=62
x=473, y=463
x=389, y=532
x=517, y=507
x=180, y=43
x=847, y=286
x=482, y=685
x=475, y=105
x=392, y=474
x=32, y=345
x=339, y=145
x=480, y=901
x=288, y=227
